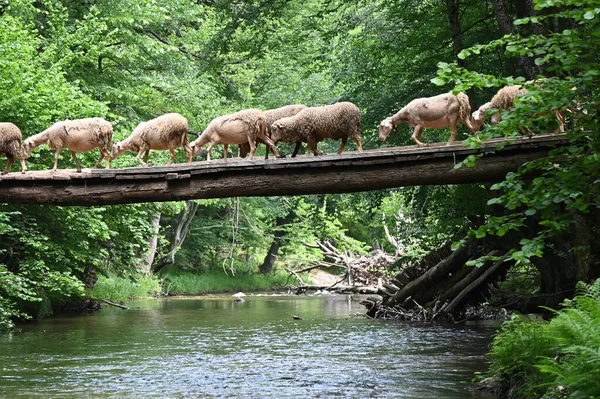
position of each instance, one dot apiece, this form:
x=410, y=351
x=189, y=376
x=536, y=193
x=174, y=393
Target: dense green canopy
x=130, y=61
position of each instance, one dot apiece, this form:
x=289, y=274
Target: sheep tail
x=262, y=127
x=184, y=140
x=464, y=108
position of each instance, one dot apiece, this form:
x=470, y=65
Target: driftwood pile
x=363, y=274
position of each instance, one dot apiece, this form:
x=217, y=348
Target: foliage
x=538, y=358
x=567, y=179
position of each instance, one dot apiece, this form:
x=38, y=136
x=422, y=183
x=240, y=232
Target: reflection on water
x=214, y=347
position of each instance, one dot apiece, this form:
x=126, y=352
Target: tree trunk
x=457, y=41
x=148, y=258
x=505, y=22
x=439, y=272
x=180, y=229
x=267, y=266
x=568, y=258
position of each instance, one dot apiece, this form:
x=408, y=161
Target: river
x=214, y=347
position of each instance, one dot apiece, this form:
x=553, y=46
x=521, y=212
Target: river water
x=214, y=347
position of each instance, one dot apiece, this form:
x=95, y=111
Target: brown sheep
x=273, y=115
x=79, y=135
x=436, y=112
x=166, y=132
x=245, y=126
x=314, y=124
x=10, y=144
x=504, y=100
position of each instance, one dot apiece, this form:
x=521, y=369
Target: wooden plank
x=348, y=172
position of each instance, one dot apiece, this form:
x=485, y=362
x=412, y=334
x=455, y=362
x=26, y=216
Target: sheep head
x=479, y=116
x=117, y=149
x=385, y=128
x=195, y=148
x=197, y=144
x=28, y=146
x=277, y=132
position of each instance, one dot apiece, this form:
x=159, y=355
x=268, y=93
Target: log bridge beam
x=349, y=172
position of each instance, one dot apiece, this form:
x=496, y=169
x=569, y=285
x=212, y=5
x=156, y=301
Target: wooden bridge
x=348, y=172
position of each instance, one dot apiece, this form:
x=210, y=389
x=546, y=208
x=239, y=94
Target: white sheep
x=436, y=112
x=166, y=132
x=273, y=115
x=338, y=121
x=10, y=144
x=78, y=135
x=246, y=126
x=504, y=100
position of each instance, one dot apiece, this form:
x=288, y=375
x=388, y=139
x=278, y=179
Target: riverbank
x=120, y=290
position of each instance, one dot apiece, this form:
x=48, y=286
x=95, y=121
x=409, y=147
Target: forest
x=130, y=61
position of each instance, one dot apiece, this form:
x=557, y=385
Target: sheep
x=273, y=115
x=246, y=126
x=314, y=124
x=78, y=135
x=166, y=132
x=10, y=144
x=504, y=100
x=436, y=112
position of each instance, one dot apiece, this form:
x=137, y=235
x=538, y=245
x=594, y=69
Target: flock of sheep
x=291, y=124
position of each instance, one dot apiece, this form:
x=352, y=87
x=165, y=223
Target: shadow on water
x=214, y=347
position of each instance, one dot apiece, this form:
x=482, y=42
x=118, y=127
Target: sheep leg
x=139, y=156
x=225, y=149
x=103, y=155
x=23, y=166
x=452, y=135
x=107, y=157
x=271, y=144
x=252, y=151
x=356, y=138
x=468, y=123
x=252, y=143
x=296, y=149
x=9, y=163
x=417, y=135
x=208, y=150
x=76, y=161
x=172, y=157
x=56, y=155
x=189, y=153
x=312, y=144
x=343, y=145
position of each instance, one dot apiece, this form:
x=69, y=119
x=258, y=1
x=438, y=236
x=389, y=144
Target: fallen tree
x=441, y=285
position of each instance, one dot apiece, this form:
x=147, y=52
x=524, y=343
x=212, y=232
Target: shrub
x=532, y=359
x=119, y=289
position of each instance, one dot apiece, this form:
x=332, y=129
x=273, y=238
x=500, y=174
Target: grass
x=118, y=289
x=178, y=282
